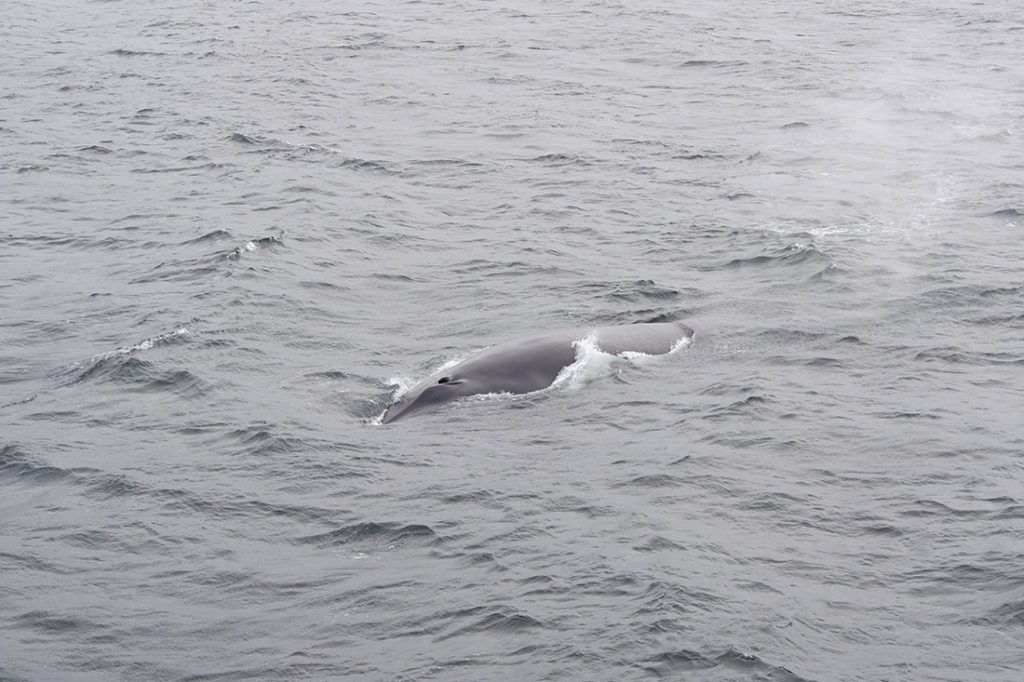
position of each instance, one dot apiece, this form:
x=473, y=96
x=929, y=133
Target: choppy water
x=230, y=229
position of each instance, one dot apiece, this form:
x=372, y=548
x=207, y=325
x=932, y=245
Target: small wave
x=387, y=535
x=577, y=505
x=177, y=169
x=901, y=414
x=771, y=502
x=927, y=508
x=141, y=375
x=961, y=356
x=260, y=441
x=673, y=663
x=563, y=159
x=712, y=63
x=322, y=286
x=1010, y=293
x=461, y=163
x=499, y=623
x=332, y=374
x=651, y=481
x=49, y=623
x=885, y=530
x=243, y=509
x=181, y=271
x=122, y=365
x=302, y=150
x=681, y=152
x=122, y=52
x=1008, y=213
x=504, y=269
x=1010, y=613
x=215, y=235
x=636, y=291
x=657, y=543
x=368, y=165
x=114, y=486
x=751, y=406
x=254, y=245
x=794, y=254
x=472, y=497
x=16, y=466
x=270, y=144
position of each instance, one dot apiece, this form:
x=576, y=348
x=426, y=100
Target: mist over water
x=232, y=232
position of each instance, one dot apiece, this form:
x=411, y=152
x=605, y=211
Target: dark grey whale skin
x=531, y=363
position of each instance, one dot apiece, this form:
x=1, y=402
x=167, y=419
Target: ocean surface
x=233, y=232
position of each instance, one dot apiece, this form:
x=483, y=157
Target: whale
x=532, y=363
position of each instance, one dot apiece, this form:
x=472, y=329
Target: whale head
x=436, y=390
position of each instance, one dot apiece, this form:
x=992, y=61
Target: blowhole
x=444, y=380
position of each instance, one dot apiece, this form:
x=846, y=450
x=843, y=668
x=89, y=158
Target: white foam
x=593, y=364
x=145, y=345
x=402, y=385
x=148, y=343
x=156, y=340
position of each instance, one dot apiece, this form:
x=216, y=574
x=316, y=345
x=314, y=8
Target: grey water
x=231, y=232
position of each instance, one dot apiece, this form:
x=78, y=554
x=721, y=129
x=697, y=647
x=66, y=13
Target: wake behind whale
x=533, y=363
